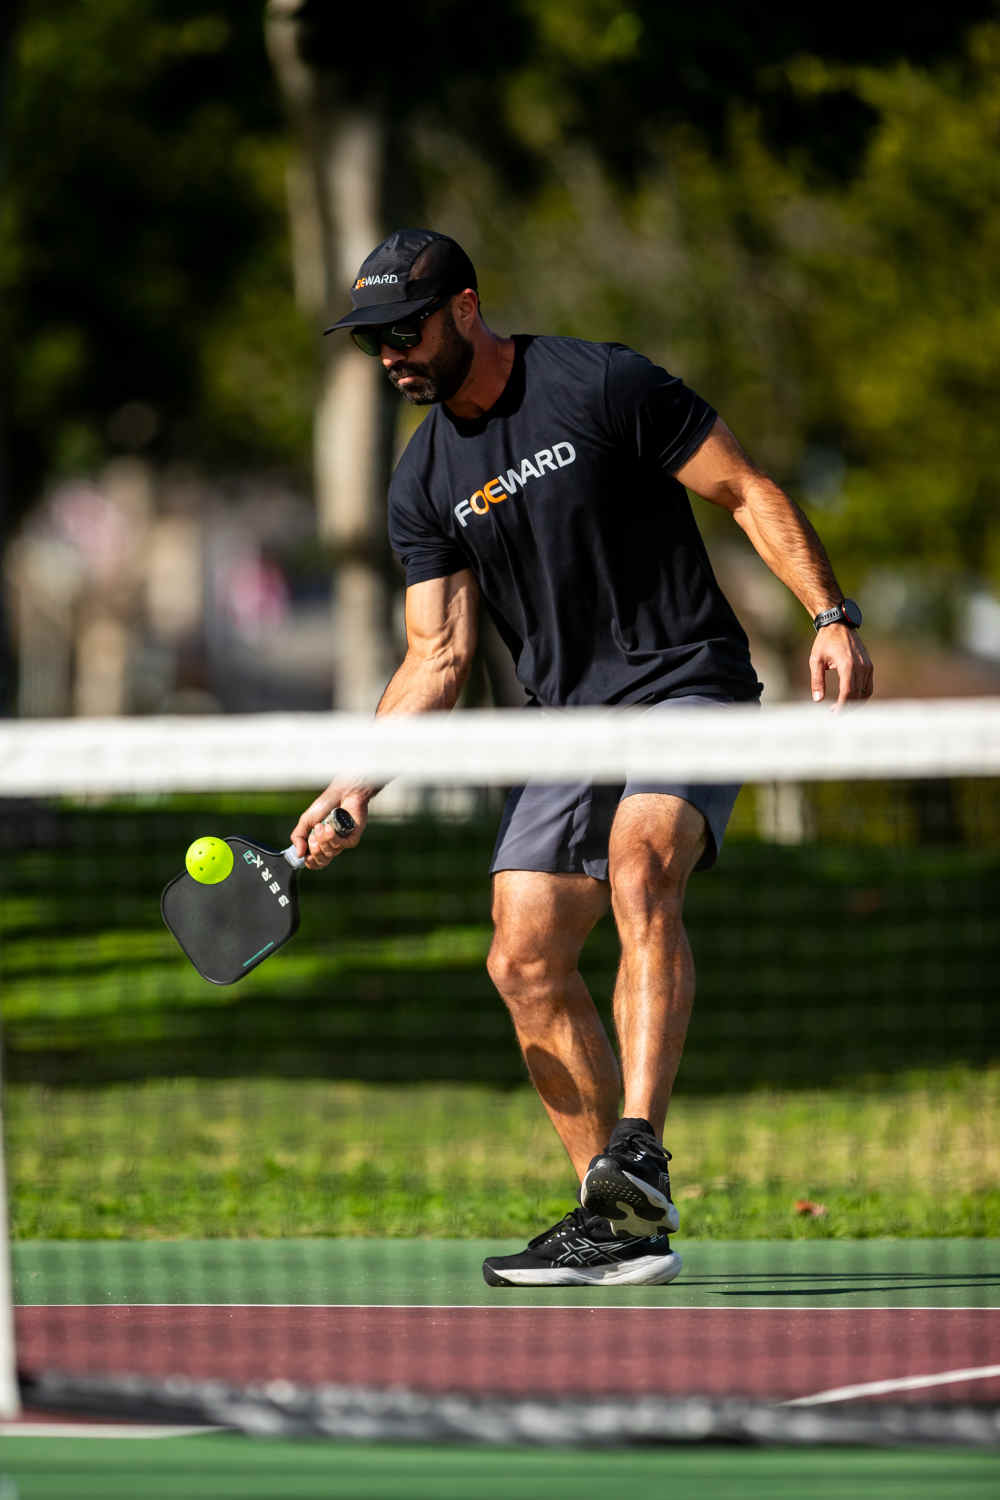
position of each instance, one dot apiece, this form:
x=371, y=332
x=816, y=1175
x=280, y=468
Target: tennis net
x=266, y=1205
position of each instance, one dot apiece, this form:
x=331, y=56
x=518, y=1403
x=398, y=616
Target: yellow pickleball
x=209, y=860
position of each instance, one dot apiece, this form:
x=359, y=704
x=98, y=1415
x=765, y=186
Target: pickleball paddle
x=229, y=927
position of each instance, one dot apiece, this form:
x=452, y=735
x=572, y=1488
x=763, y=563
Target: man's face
x=436, y=368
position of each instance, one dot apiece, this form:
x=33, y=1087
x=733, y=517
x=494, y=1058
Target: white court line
x=904, y=1383
x=107, y=1430
x=501, y=1306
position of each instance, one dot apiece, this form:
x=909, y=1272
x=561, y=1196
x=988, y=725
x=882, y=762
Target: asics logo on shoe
x=586, y=1253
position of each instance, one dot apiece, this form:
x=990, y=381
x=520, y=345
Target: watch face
x=852, y=613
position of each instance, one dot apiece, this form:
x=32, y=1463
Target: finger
x=862, y=677
x=324, y=843
x=318, y=859
x=341, y=822
x=327, y=841
x=817, y=674
x=299, y=835
x=310, y=819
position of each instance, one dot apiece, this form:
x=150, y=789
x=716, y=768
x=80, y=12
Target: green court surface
x=904, y=1274
x=223, y=1467
x=836, y=1273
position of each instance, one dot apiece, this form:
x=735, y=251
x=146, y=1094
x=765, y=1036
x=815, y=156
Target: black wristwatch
x=844, y=613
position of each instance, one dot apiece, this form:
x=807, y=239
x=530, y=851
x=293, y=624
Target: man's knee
x=523, y=971
x=656, y=843
x=649, y=881
x=646, y=889
x=541, y=922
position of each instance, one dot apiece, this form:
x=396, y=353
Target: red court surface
x=776, y=1354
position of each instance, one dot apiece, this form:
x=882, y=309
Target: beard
x=441, y=377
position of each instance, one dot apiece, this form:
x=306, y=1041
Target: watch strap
x=845, y=613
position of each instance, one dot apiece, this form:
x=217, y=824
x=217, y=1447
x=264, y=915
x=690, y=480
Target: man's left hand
x=839, y=649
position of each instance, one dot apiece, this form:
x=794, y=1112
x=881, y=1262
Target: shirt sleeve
x=416, y=536
x=664, y=419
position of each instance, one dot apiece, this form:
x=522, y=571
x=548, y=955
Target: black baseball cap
x=406, y=273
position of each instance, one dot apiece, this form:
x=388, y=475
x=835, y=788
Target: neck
x=482, y=388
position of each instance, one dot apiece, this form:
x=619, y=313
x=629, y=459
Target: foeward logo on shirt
x=501, y=486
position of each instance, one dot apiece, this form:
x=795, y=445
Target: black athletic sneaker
x=581, y=1251
x=629, y=1184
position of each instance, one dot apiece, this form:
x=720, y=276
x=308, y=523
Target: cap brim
x=381, y=312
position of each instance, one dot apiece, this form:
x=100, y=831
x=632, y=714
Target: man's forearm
x=783, y=537
x=422, y=685
x=786, y=540
x=419, y=685
x=441, y=616
x=722, y=473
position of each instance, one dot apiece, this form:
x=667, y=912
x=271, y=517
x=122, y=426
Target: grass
x=842, y=1052
x=914, y=1155
x=817, y=964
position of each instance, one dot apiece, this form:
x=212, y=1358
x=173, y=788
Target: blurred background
x=799, y=215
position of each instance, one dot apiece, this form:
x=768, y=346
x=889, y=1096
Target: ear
x=465, y=310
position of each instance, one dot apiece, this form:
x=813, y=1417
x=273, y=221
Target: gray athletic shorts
x=563, y=828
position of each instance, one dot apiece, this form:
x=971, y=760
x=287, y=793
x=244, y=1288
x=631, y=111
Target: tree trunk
x=335, y=208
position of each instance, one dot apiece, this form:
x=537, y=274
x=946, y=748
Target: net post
x=10, y=1398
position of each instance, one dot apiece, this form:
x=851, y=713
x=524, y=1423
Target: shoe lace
x=639, y=1145
x=577, y=1218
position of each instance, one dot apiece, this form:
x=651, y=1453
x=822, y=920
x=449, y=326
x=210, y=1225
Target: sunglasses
x=406, y=334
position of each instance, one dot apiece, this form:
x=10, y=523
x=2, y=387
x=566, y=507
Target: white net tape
x=789, y=742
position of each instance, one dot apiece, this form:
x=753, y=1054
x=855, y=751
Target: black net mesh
x=267, y=1205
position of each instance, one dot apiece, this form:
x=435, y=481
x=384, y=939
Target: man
x=548, y=483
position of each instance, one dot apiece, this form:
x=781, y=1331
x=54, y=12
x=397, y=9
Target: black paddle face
x=229, y=928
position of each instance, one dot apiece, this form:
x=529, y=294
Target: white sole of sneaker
x=671, y=1223
x=645, y=1270
x=622, y=1206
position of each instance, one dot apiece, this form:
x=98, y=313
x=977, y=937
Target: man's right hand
x=315, y=840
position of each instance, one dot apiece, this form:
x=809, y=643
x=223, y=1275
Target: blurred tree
x=905, y=298
x=613, y=74
x=143, y=251
x=538, y=77
x=355, y=179
x=797, y=212
x=335, y=213
x=8, y=17
x=837, y=310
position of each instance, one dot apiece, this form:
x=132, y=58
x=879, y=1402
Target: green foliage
x=845, y=997
x=800, y=215
x=143, y=248
x=271, y=1158
x=834, y=297
x=386, y=979
x=909, y=321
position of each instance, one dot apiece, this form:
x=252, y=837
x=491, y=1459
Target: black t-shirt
x=562, y=502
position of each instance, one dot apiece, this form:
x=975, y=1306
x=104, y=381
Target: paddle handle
x=340, y=821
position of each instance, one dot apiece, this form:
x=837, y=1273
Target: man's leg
x=656, y=842
x=541, y=922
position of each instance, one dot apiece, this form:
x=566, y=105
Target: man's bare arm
x=441, y=628
x=786, y=540
x=442, y=622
